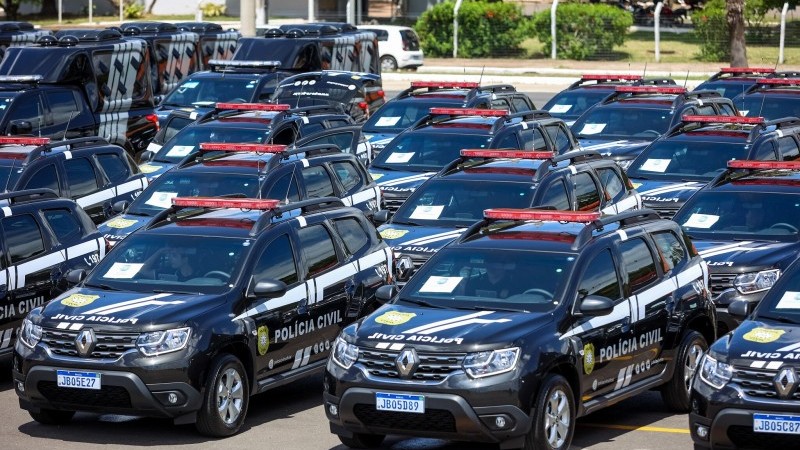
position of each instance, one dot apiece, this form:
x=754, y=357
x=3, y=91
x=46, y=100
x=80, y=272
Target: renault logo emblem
x=85, y=342
x=785, y=382
x=407, y=362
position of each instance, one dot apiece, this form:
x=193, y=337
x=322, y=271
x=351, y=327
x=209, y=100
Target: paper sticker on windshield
x=400, y=157
x=427, y=212
x=123, y=271
x=161, y=199
x=387, y=121
x=376, y=176
x=701, y=221
x=441, y=284
x=656, y=165
x=592, y=128
x=560, y=109
x=790, y=300
x=180, y=150
x=190, y=84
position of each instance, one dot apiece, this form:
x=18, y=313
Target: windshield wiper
x=135, y=213
x=408, y=222
x=378, y=166
x=171, y=291
x=778, y=319
x=171, y=104
x=421, y=303
x=104, y=287
x=485, y=308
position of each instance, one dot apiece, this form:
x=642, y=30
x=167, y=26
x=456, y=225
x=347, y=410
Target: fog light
x=500, y=422
x=333, y=410
x=20, y=386
x=702, y=432
x=172, y=398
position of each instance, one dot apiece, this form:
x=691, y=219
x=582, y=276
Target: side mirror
x=385, y=293
x=157, y=99
x=120, y=206
x=146, y=156
x=595, y=305
x=20, y=127
x=403, y=268
x=740, y=309
x=75, y=276
x=269, y=289
x=381, y=216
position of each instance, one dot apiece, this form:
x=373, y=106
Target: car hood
x=665, y=192
x=623, y=148
x=119, y=227
x=418, y=239
x=154, y=170
x=742, y=256
x=398, y=180
x=760, y=345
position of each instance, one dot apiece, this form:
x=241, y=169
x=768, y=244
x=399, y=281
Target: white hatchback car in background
x=399, y=46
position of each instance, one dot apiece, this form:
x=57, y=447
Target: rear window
x=410, y=40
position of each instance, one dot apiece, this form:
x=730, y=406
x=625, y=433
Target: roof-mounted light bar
x=724, y=119
x=20, y=78
x=747, y=70
x=470, y=112
x=779, y=81
x=445, y=84
x=254, y=148
x=511, y=154
x=754, y=164
x=540, y=214
x=253, y=106
x=651, y=89
x=22, y=140
x=241, y=63
x=610, y=77
x=223, y=202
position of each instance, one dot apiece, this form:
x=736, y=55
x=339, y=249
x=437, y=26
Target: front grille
x=432, y=420
x=721, y=282
x=758, y=382
x=108, y=345
x=745, y=438
x=107, y=396
x=665, y=212
x=432, y=366
x=392, y=200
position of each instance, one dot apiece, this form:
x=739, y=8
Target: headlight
x=30, y=334
x=484, y=364
x=748, y=283
x=715, y=373
x=159, y=342
x=344, y=353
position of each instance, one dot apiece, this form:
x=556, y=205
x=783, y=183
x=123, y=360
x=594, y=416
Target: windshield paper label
x=387, y=121
x=161, y=199
x=790, y=300
x=400, y=158
x=592, y=128
x=180, y=150
x=430, y=212
x=123, y=271
x=560, y=109
x=656, y=165
x=701, y=221
x=441, y=284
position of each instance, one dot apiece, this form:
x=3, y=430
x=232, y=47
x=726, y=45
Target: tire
x=226, y=398
x=363, y=440
x=388, y=63
x=676, y=392
x=555, y=403
x=52, y=416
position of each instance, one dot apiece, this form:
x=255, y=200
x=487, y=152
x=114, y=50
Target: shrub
x=711, y=30
x=210, y=9
x=485, y=29
x=583, y=29
x=133, y=10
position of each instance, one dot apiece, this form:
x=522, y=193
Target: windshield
x=395, y=117
x=575, y=103
x=186, y=142
x=679, y=160
x=317, y=89
x=729, y=89
x=768, y=106
x=449, y=203
x=617, y=123
x=207, y=91
x=491, y=279
x=175, y=263
x=784, y=304
x=158, y=196
x=730, y=215
x=420, y=152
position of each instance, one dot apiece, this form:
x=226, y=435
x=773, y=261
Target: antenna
x=763, y=98
x=686, y=80
x=39, y=119
x=644, y=72
x=481, y=77
x=66, y=130
x=10, y=174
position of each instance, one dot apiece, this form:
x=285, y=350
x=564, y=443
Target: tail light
x=152, y=118
x=363, y=105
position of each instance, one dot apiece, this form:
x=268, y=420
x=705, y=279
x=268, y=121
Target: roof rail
x=783, y=122
x=305, y=206
x=703, y=93
x=497, y=88
x=604, y=79
x=573, y=157
x=624, y=219
x=28, y=196
x=533, y=114
x=656, y=81
x=738, y=72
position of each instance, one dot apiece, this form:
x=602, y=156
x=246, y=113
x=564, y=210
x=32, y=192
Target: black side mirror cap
x=595, y=305
x=382, y=216
x=120, y=206
x=146, y=156
x=75, y=276
x=740, y=309
x=269, y=289
x=385, y=293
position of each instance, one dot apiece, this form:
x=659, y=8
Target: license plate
x=773, y=423
x=77, y=380
x=400, y=402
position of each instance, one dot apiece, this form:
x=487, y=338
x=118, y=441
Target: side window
x=670, y=250
x=62, y=105
x=318, y=182
x=520, y=103
x=46, y=177
x=342, y=140
x=766, y=152
x=277, y=262
x=27, y=107
x=318, y=249
x=538, y=142
x=727, y=110
x=285, y=189
x=352, y=233
x=115, y=168
x=600, y=278
x=586, y=192
x=23, y=237
x=638, y=263
x=707, y=110
x=348, y=175
x=558, y=134
x=500, y=103
x=612, y=184
x=64, y=224
x=556, y=196
x=508, y=141
x=788, y=148
x=81, y=177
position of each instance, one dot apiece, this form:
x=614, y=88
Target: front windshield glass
x=395, y=117
x=334, y=90
x=729, y=89
x=618, y=123
x=782, y=305
x=420, y=152
x=679, y=160
x=207, y=91
x=575, y=103
x=768, y=106
x=186, y=142
x=460, y=203
x=731, y=215
x=172, y=263
x=490, y=279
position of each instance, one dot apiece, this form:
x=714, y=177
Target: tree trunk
x=49, y=8
x=11, y=8
x=150, y=8
x=735, y=18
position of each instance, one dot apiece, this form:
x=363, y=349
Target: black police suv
x=215, y=42
x=216, y=300
x=254, y=171
x=529, y=320
x=591, y=89
x=771, y=98
x=414, y=103
x=18, y=34
x=694, y=152
x=90, y=171
x=43, y=238
x=745, y=390
x=746, y=225
x=732, y=81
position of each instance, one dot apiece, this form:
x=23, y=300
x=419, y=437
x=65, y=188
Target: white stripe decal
x=446, y=237
x=396, y=346
x=758, y=364
x=302, y=221
x=739, y=247
x=432, y=236
x=774, y=365
x=620, y=379
x=622, y=235
x=382, y=345
x=95, y=198
x=721, y=247
x=463, y=323
x=361, y=197
x=104, y=309
x=81, y=249
x=628, y=376
x=306, y=356
x=75, y=326
x=67, y=154
x=672, y=188
x=62, y=325
x=36, y=265
x=130, y=186
x=6, y=338
x=297, y=359
x=790, y=348
x=7, y=211
x=408, y=179
x=605, y=145
x=447, y=321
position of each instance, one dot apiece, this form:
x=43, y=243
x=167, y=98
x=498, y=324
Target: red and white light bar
x=597, y=76
x=222, y=202
x=445, y=84
x=747, y=70
x=724, y=119
x=780, y=81
x=21, y=140
x=511, y=154
x=256, y=148
x=651, y=89
x=253, y=106
x=753, y=164
x=540, y=214
x=470, y=112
